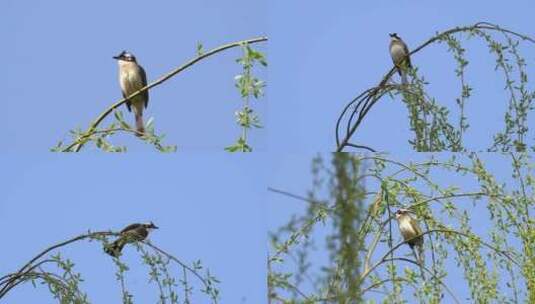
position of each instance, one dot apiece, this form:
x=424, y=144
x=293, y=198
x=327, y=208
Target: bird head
x=401, y=212
x=394, y=36
x=125, y=56
x=150, y=225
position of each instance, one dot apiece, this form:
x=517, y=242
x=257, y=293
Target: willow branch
x=384, y=258
x=448, y=290
x=365, y=101
x=13, y=277
x=78, y=144
x=183, y=265
x=298, y=197
x=12, y=280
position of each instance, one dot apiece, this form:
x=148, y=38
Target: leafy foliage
x=102, y=137
x=432, y=124
x=64, y=284
x=361, y=252
x=249, y=87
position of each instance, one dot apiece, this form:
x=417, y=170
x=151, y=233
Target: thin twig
x=183, y=265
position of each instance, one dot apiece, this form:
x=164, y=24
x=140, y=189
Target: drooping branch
x=21, y=272
x=445, y=231
x=358, y=108
x=28, y=271
x=80, y=142
x=182, y=264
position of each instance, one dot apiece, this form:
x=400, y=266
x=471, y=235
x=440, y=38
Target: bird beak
x=116, y=57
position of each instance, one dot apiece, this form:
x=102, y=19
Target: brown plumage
x=412, y=233
x=132, y=78
x=400, y=56
x=130, y=234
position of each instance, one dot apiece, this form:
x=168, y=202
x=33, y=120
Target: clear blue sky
x=58, y=72
x=292, y=173
x=322, y=55
x=208, y=207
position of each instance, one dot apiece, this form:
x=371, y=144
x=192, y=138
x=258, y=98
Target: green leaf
x=200, y=50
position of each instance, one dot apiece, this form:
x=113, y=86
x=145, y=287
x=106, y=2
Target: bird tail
x=420, y=259
x=140, y=127
x=421, y=255
x=114, y=249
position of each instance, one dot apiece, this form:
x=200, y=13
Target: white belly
x=397, y=52
x=131, y=82
x=406, y=230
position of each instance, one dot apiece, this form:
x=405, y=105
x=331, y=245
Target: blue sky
x=64, y=50
x=323, y=55
x=208, y=207
x=292, y=173
x=58, y=74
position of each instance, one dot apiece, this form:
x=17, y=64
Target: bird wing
x=415, y=226
x=130, y=227
x=406, y=49
x=128, y=103
x=144, y=81
x=397, y=52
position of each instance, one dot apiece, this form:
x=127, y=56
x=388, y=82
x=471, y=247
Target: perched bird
x=132, y=78
x=132, y=233
x=400, y=56
x=411, y=233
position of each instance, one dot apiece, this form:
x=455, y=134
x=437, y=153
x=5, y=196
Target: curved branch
x=44, y=276
x=368, y=98
x=377, y=284
x=384, y=258
x=78, y=144
x=5, y=279
x=298, y=197
x=360, y=147
x=22, y=270
x=12, y=280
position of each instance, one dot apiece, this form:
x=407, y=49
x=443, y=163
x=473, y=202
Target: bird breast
x=397, y=51
x=130, y=77
x=406, y=229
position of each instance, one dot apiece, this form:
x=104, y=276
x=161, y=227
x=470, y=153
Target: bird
x=400, y=56
x=132, y=78
x=411, y=232
x=132, y=233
